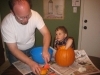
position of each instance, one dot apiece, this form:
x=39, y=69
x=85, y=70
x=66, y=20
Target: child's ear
x=65, y=35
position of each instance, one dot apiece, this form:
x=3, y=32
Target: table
x=13, y=71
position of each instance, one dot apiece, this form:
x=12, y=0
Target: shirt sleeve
x=39, y=21
x=7, y=32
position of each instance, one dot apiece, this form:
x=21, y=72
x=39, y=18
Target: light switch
x=74, y=9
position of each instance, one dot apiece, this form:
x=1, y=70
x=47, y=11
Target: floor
x=4, y=67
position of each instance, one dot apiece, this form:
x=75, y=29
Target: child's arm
x=69, y=43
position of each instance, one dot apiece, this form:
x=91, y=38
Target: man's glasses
x=22, y=18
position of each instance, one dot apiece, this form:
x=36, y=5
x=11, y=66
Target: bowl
x=36, y=54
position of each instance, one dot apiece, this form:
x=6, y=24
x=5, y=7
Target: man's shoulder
x=34, y=12
x=8, y=17
x=7, y=20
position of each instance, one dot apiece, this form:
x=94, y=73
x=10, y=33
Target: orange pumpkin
x=64, y=57
x=46, y=66
x=43, y=71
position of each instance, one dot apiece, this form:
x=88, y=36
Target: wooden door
x=90, y=27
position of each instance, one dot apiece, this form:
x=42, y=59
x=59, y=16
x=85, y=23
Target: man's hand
x=36, y=68
x=46, y=56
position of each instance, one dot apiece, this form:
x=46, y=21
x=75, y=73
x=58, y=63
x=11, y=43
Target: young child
x=62, y=39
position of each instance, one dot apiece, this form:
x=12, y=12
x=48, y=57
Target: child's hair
x=63, y=29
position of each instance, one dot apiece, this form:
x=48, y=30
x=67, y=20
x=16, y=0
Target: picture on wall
x=53, y=9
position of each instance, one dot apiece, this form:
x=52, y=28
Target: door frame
x=81, y=24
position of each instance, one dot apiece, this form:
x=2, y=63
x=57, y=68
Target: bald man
x=18, y=32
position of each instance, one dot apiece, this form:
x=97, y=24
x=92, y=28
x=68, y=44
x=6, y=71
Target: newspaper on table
x=81, y=66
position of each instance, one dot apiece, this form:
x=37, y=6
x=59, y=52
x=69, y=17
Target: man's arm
x=46, y=43
x=22, y=57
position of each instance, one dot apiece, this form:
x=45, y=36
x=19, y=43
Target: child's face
x=60, y=35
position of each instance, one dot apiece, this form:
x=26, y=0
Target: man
x=18, y=31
